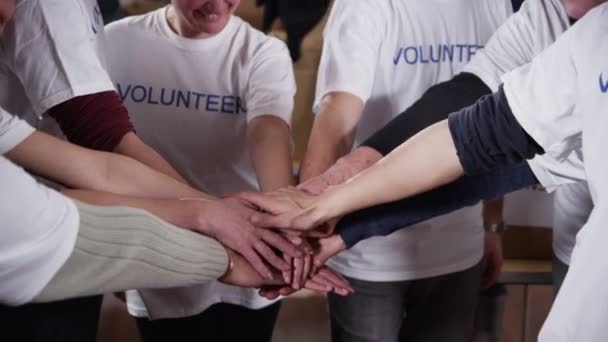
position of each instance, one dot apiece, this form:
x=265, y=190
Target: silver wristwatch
x=498, y=228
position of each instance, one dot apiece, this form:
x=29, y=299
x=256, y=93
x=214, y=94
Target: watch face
x=495, y=227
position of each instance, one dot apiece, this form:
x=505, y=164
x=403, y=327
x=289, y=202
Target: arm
x=268, y=140
x=478, y=139
x=465, y=191
x=332, y=133
x=100, y=121
x=78, y=167
x=435, y=105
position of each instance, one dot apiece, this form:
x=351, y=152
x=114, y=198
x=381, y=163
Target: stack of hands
x=278, y=241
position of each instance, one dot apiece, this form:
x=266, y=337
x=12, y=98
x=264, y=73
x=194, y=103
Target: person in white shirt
x=556, y=105
x=72, y=89
x=216, y=101
x=378, y=57
x=55, y=248
x=524, y=35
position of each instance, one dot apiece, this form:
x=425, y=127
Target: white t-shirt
x=523, y=36
x=572, y=206
x=388, y=53
x=192, y=103
x=49, y=54
x=39, y=225
x=561, y=100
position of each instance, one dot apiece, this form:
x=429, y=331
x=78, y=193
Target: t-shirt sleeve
x=52, y=47
x=272, y=84
x=351, y=42
x=12, y=131
x=543, y=96
x=510, y=47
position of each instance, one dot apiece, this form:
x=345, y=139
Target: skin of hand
x=345, y=168
x=324, y=280
x=228, y=221
x=492, y=260
x=241, y=273
x=132, y=146
x=280, y=208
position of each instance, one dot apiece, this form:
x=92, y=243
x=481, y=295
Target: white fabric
x=388, y=53
x=192, y=103
x=49, y=54
x=524, y=35
x=572, y=206
x=39, y=228
x=536, y=25
x=12, y=131
x=561, y=99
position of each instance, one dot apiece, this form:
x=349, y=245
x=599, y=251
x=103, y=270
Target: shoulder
x=135, y=24
x=258, y=44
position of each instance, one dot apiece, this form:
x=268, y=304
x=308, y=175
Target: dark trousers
x=436, y=309
x=73, y=320
x=219, y=323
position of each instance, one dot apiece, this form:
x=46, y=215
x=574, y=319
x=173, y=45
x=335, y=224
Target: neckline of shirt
x=192, y=44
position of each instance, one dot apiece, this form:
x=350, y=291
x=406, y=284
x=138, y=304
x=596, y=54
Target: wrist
x=195, y=210
x=230, y=266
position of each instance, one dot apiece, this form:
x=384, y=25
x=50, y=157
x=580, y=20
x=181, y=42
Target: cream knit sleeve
x=121, y=248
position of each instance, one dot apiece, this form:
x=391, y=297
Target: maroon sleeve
x=97, y=121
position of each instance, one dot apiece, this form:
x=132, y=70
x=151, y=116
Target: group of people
x=176, y=184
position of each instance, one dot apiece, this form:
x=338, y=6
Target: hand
x=241, y=273
x=324, y=280
x=302, y=267
x=344, y=169
x=492, y=260
x=327, y=248
x=289, y=209
x=228, y=221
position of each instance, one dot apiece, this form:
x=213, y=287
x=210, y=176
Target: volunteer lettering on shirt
x=192, y=103
x=188, y=99
x=603, y=84
x=402, y=49
x=440, y=53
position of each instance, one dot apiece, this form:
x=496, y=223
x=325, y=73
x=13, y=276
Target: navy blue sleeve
x=466, y=191
x=433, y=106
x=487, y=135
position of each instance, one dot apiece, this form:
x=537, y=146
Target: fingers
x=270, y=256
x=337, y=281
x=313, y=285
x=270, y=292
x=261, y=201
x=287, y=273
x=307, y=268
x=252, y=258
x=279, y=242
x=298, y=268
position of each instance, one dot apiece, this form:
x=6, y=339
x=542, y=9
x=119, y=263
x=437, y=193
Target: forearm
x=477, y=139
x=132, y=146
x=466, y=191
x=406, y=171
x=122, y=248
x=332, y=134
x=82, y=168
x=435, y=105
x=183, y=214
x=269, y=141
